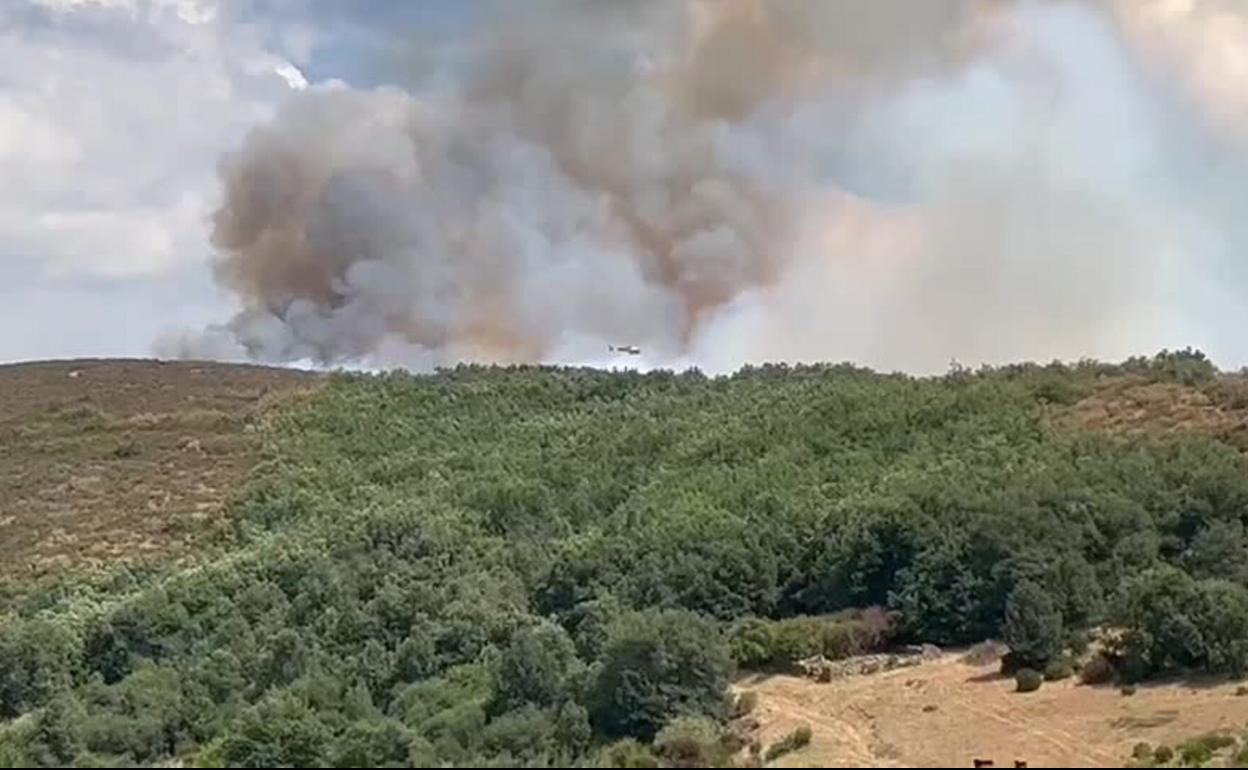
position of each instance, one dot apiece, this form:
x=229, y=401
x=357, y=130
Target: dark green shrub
x=777, y=644
x=1128, y=690
x=1163, y=754
x=752, y=642
x=1198, y=751
x=1216, y=741
x=535, y=667
x=37, y=658
x=1096, y=670
x=58, y=728
x=795, y=639
x=691, y=742
x=627, y=753
x=372, y=743
x=1078, y=642
x=281, y=731
x=790, y=743
x=524, y=732
x=13, y=753
x=1172, y=621
x=1033, y=625
x=1058, y=670
x=1142, y=751
x=656, y=666
x=1223, y=621
x=1195, y=753
x=1028, y=680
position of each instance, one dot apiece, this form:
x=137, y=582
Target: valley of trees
x=533, y=567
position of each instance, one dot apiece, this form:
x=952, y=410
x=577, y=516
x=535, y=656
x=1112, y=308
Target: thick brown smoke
x=718, y=182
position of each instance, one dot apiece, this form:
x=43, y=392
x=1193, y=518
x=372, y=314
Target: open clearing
x=101, y=459
x=880, y=720
x=1131, y=406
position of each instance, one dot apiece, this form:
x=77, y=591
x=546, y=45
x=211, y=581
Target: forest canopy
x=533, y=566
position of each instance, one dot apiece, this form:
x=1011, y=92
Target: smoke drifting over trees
x=894, y=182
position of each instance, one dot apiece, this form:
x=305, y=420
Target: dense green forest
x=533, y=566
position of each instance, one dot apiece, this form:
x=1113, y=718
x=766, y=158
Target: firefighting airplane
x=631, y=350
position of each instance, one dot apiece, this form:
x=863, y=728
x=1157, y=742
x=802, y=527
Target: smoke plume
x=896, y=182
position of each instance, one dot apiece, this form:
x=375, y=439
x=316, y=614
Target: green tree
x=527, y=733
x=1223, y=620
x=656, y=666
x=1033, y=625
x=372, y=743
x=13, y=754
x=58, y=728
x=536, y=666
x=416, y=658
x=280, y=732
x=1079, y=596
x=752, y=641
x=1158, y=611
x=572, y=728
x=1219, y=550
x=37, y=658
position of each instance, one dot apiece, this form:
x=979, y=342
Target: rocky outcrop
x=822, y=669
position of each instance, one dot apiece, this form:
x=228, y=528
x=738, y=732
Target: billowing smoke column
x=896, y=182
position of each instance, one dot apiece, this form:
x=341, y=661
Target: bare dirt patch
x=947, y=713
x=1132, y=406
x=103, y=459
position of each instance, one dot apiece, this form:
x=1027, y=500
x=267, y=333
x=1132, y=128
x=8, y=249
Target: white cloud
x=113, y=114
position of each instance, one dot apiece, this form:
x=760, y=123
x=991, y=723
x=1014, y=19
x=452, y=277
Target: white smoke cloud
x=112, y=116
x=893, y=182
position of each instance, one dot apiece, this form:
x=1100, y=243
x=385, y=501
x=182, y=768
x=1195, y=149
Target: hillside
x=948, y=712
x=540, y=566
x=104, y=459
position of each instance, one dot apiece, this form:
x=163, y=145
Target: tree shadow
x=755, y=677
x=991, y=675
x=1195, y=681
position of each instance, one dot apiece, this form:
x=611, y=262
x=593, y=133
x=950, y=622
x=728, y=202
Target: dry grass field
x=947, y=713
x=102, y=459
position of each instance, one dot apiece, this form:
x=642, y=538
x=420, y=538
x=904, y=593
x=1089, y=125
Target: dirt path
x=946, y=713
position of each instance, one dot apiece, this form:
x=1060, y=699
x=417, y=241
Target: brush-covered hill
x=542, y=566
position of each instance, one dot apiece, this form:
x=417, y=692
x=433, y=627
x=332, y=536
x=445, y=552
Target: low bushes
x=1028, y=680
x=790, y=743
x=777, y=644
x=1058, y=670
x=1097, y=670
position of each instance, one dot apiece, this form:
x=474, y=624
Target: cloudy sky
x=113, y=114
x=892, y=182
